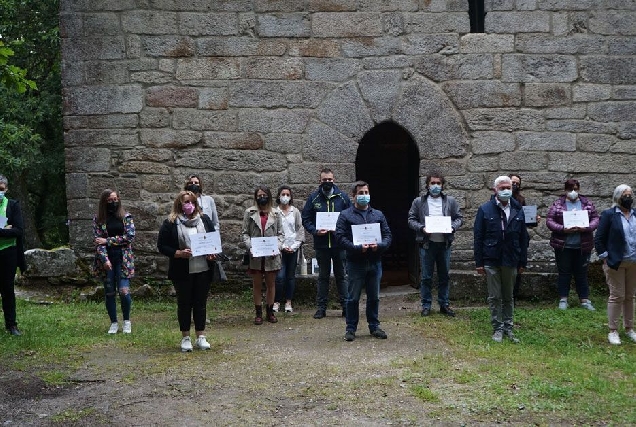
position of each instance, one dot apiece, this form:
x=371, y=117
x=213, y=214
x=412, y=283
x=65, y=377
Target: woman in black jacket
x=11, y=254
x=190, y=275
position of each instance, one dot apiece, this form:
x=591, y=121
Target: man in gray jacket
x=434, y=247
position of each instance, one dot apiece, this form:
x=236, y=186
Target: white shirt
x=289, y=229
x=435, y=209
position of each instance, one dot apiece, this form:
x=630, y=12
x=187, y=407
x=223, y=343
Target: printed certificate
x=576, y=219
x=326, y=220
x=264, y=246
x=206, y=243
x=366, y=234
x=438, y=224
x=531, y=214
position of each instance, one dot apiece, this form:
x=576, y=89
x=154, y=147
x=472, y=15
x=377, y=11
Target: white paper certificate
x=3, y=221
x=326, y=220
x=576, y=219
x=264, y=246
x=206, y=243
x=531, y=214
x=438, y=224
x=366, y=234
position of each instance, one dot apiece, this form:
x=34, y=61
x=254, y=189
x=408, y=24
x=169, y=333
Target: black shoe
x=13, y=330
x=447, y=311
x=350, y=336
x=344, y=312
x=320, y=313
x=425, y=311
x=379, y=333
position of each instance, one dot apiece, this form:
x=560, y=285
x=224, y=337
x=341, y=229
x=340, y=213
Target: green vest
x=5, y=242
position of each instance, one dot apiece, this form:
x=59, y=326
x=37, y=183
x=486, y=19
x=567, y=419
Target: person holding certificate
x=263, y=237
x=114, y=233
x=572, y=218
x=364, y=234
x=191, y=275
x=435, y=244
x=615, y=244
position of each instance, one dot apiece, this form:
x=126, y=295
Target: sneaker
x=320, y=313
x=276, y=307
x=350, y=336
x=426, y=311
x=288, y=307
x=114, y=327
x=447, y=311
x=613, y=338
x=632, y=335
x=379, y=333
x=588, y=305
x=202, y=343
x=497, y=336
x=127, y=327
x=563, y=304
x=13, y=330
x=511, y=336
x=186, y=344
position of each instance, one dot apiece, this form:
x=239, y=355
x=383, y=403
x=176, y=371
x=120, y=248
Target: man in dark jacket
x=327, y=198
x=364, y=260
x=501, y=251
x=434, y=247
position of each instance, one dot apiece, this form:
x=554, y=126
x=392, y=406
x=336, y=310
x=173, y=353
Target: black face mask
x=262, y=201
x=327, y=186
x=515, y=188
x=112, y=207
x=626, y=202
x=196, y=189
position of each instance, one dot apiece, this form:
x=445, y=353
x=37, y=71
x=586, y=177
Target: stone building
x=245, y=92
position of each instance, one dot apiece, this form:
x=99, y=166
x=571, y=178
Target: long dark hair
x=102, y=210
x=267, y=191
x=517, y=196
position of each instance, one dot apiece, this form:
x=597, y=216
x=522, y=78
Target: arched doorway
x=388, y=159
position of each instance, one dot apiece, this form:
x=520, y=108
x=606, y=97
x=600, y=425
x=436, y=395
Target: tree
x=12, y=77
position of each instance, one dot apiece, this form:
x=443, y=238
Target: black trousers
x=8, y=267
x=192, y=296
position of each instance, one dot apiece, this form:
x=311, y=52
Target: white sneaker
x=127, y=328
x=202, y=343
x=563, y=304
x=632, y=335
x=186, y=344
x=288, y=307
x=588, y=305
x=613, y=338
x=276, y=307
x=114, y=327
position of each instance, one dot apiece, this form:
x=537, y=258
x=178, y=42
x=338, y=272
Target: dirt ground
x=299, y=371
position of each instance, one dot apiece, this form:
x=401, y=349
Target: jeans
x=192, y=298
x=8, y=267
x=324, y=258
x=367, y=275
x=438, y=255
x=572, y=262
x=501, y=281
x=286, y=277
x=113, y=283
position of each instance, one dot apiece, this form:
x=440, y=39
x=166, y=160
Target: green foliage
x=12, y=77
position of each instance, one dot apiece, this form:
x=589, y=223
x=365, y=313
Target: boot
x=270, y=314
x=258, y=320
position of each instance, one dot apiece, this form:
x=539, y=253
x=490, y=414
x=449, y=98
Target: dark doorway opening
x=388, y=160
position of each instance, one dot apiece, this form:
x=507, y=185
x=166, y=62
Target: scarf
x=197, y=264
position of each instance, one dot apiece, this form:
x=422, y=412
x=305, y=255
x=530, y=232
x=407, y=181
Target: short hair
x=280, y=189
x=618, y=192
x=187, y=181
x=326, y=170
x=435, y=174
x=571, y=183
x=4, y=180
x=500, y=179
x=267, y=191
x=354, y=188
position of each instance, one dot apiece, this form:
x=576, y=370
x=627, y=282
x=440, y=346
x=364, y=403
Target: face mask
x=112, y=207
x=284, y=200
x=262, y=201
x=327, y=186
x=188, y=208
x=363, y=199
x=573, y=195
x=515, y=188
x=626, y=202
x=504, y=195
x=194, y=188
x=2, y=195
x=435, y=189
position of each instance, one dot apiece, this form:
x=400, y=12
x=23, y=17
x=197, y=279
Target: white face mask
x=284, y=200
x=573, y=195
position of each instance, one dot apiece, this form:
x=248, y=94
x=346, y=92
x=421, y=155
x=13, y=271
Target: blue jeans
x=286, y=277
x=324, y=258
x=113, y=283
x=367, y=275
x=572, y=262
x=438, y=255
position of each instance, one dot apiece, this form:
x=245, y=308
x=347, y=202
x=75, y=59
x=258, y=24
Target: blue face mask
x=435, y=189
x=363, y=199
x=2, y=195
x=504, y=195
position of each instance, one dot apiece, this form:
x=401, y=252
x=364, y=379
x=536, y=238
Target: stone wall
x=246, y=92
